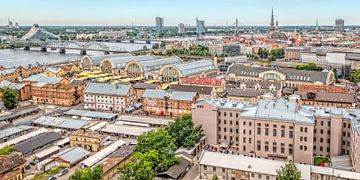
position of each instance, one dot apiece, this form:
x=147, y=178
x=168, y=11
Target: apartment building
x=280, y=129
x=168, y=103
x=109, y=97
x=56, y=91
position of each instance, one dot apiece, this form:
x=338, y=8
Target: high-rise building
x=159, y=23
x=181, y=28
x=317, y=25
x=200, y=27
x=339, y=25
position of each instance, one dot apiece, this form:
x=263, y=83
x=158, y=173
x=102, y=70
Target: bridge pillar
x=106, y=52
x=27, y=48
x=83, y=52
x=43, y=49
x=62, y=51
x=148, y=42
x=132, y=41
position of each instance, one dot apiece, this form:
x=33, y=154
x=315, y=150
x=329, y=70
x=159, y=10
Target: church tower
x=272, y=22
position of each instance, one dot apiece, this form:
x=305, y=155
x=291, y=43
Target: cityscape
x=203, y=90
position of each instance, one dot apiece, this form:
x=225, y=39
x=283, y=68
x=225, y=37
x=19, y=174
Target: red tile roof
x=202, y=81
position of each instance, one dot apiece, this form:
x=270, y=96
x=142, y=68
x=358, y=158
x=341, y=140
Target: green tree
x=355, y=76
x=154, y=152
x=10, y=98
x=6, y=150
x=263, y=53
x=184, y=132
x=289, y=172
x=95, y=173
x=215, y=177
x=309, y=67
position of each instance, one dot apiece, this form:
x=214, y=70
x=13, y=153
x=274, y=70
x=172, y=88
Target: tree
x=289, y=172
x=184, y=132
x=215, y=177
x=10, y=98
x=263, y=53
x=355, y=76
x=6, y=150
x=309, y=67
x=154, y=152
x=95, y=173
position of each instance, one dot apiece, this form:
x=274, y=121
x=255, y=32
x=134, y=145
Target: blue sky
x=142, y=12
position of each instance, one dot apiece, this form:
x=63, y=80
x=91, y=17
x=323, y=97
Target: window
x=205, y=167
x=266, y=146
x=266, y=131
x=291, y=149
x=244, y=148
x=230, y=114
x=244, y=123
x=259, y=131
x=301, y=129
x=282, y=148
x=274, y=132
x=237, y=123
x=223, y=170
x=274, y=147
x=224, y=114
x=258, y=145
x=214, y=169
x=282, y=133
x=244, y=139
x=291, y=134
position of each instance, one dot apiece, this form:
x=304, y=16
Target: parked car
x=34, y=162
x=28, y=167
x=62, y=172
x=52, y=178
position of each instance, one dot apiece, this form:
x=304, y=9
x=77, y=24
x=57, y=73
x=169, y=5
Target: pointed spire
x=272, y=22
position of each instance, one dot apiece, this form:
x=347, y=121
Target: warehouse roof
x=90, y=114
x=60, y=122
x=37, y=142
x=108, y=89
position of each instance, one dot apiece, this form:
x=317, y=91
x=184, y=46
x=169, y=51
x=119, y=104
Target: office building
x=181, y=28
x=200, y=27
x=159, y=23
x=339, y=25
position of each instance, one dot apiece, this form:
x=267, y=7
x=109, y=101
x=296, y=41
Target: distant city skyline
x=213, y=12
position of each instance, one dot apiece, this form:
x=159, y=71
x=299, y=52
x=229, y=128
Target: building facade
x=163, y=103
x=109, y=97
x=88, y=140
x=280, y=129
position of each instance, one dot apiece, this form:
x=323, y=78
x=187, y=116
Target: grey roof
x=96, y=60
x=247, y=93
x=157, y=64
x=225, y=104
x=278, y=110
x=175, y=95
x=153, y=93
x=182, y=96
x=206, y=90
x=54, y=70
x=14, y=130
x=352, y=56
x=7, y=71
x=60, y=122
x=7, y=84
x=108, y=89
x=44, y=79
x=176, y=170
x=139, y=85
x=291, y=74
x=196, y=67
x=19, y=112
x=72, y=155
x=120, y=62
x=328, y=97
x=37, y=142
x=90, y=114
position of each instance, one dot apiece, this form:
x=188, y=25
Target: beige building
x=280, y=130
x=88, y=140
x=289, y=78
x=293, y=53
x=234, y=167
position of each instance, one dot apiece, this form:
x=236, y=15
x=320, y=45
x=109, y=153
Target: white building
x=109, y=97
x=181, y=28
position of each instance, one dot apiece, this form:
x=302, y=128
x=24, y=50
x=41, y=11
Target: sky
x=143, y=12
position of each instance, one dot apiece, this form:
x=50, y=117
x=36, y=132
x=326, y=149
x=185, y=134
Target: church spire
x=272, y=22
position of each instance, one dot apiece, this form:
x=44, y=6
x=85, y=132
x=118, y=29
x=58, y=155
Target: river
x=17, y=57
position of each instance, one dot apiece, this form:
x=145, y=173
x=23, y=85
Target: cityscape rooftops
x=11, y=161
x=174, y=95
x=107, y=89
